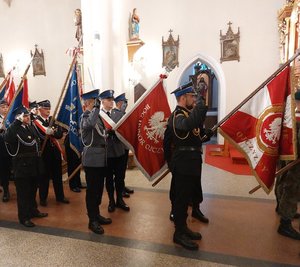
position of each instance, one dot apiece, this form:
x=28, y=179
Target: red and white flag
x=262, y=129
x=10, y=89
x=142, y=131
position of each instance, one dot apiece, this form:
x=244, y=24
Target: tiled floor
x=241, y=232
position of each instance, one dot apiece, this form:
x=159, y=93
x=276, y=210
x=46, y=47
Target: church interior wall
x=105, y=26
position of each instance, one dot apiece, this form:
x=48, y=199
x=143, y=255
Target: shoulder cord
x=182, y=138
x=11, y=154
x=84, y=144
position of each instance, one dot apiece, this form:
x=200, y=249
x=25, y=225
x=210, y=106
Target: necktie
x=108, y=113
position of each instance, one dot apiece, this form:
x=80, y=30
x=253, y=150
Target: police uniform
x=94, y=161
x=115, y=161
x=288, y=192
x=52, y=158
x=185, y=163
x=24, y=146
x=5, y=160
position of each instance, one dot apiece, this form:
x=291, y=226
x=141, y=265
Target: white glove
x=49, y=131
x=34, y=111
x=20, y=117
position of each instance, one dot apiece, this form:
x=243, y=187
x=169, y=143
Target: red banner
x=262, y=129
x=142, y=130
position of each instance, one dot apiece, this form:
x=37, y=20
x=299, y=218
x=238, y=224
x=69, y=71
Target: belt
x=190, y=148
x=28, y=155
x=99, y=146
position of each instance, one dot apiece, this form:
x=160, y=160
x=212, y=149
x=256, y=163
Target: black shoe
x=64, y=201
x=191, y=234
x=27, y=223
x=288, y=231
x=43, y=203
x=96, y=227
x=102, y=220
x=197, y=214
x=111, y=206
x=82, y=187
x=125, y=194
x=122, y=205
x=39, y=215
x=128, y=190
x=6, y=196
x=76, y=189
x=171, y=217
x=183, y=240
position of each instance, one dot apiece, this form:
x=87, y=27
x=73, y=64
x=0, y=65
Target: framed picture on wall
x=2, y=74
x=38, y=63
x=230, y=43
x=170, y=52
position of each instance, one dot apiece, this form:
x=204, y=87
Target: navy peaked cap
x=3, y=102
x=44, y=104
x=19, y=110
x=107, y=94
x=90, y=95
x=120, y=97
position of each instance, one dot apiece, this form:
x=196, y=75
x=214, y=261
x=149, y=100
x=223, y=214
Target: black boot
x=191, y=234
x=286, y=229
x=102, y=220
x=96, y=227
x=6, y=195
x=197, y=214
x=182, y=239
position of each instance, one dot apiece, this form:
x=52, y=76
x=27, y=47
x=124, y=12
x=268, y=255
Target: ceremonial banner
x=70, y=113
x=2, y=92
x=10, y=89
x=262, y=129
x=19, y=99
x=142, y=131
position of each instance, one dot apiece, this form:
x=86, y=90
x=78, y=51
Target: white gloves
x=20, y=117
x=49, y=131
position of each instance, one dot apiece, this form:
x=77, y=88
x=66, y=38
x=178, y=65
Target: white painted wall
x=50, y=25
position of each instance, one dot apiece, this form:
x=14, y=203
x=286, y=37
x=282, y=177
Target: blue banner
x=2, y=92
x=70, y=113
x=17, y=102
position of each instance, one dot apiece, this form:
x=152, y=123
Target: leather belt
x=99, y=146
x=190, y=148
x=28, y=155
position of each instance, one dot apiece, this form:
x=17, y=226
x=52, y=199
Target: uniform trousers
x=5, y=167
x=26, y=191
x=290, y=192
x=53, y=169
x=115, y=176
x=73, y=162
x=95, y=183
x=184, y=186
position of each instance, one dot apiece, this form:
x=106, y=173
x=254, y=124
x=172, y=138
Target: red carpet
x=238, y=166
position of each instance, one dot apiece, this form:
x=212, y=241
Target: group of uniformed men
x=104, y=159
x=21, y=155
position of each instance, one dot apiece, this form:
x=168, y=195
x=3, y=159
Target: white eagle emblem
x=157, y=127
x=273, y=133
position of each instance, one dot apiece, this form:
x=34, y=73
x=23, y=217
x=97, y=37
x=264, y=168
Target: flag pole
x=256, y=91
x=63, y=90
x=279, y=172
x=161, y=177
x=19, y=89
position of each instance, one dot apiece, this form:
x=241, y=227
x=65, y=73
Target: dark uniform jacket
x=185, y=128
x=51, y=150
x=115, y=147
x=24, y=145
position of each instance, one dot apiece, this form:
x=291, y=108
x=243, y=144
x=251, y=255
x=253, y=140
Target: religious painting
x=2, y=74
x=38, y=64
x=230, y=43
x=170, y=52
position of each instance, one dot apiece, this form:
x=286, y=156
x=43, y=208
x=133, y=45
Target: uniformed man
x=115, y=156
x=52, y=155
x=186, y=159
x=288, y=190
x=94, y=159
x=24, y=145
x=121, y=105
x=5, y=158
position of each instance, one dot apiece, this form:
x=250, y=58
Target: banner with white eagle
x=142, y=131
x=263, y=129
